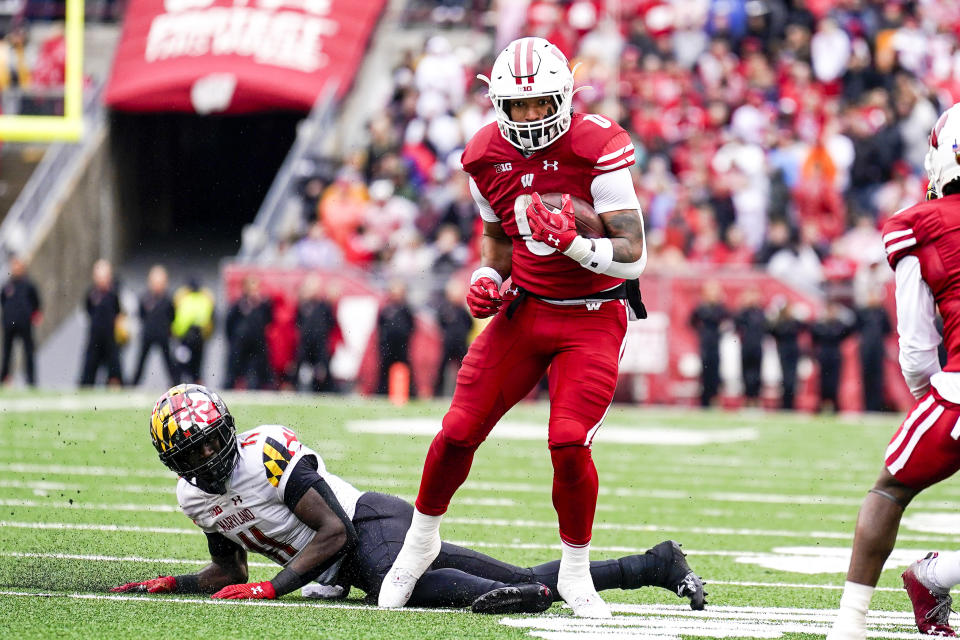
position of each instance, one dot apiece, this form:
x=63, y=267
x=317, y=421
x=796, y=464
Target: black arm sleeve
x=304, y=476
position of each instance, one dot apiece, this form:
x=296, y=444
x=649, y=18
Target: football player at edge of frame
x=922, y=243
x=567, y=308
x=265, y=491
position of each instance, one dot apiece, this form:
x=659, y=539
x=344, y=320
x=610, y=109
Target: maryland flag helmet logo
x=194, y=434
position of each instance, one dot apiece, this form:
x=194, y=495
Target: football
x=589, y=224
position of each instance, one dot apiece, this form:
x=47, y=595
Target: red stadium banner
x=237, y=56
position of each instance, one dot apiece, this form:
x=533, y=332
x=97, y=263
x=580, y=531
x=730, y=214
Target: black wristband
x=286, y=581
x=189, y=583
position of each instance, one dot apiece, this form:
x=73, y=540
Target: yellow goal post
x=69, y=126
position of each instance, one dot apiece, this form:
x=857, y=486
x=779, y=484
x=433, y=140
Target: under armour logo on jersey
x=526, y=179
x=592, y=306
x=236, y=500
x=554, y=241
x=551, y=165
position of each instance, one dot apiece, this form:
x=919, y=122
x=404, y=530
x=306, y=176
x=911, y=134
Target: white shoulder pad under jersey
x=252, y=512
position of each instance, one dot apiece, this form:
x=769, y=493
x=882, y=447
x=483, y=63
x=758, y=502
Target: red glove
x=483, y=298
x=253, y=590
x=162, y=584
x=555, y=230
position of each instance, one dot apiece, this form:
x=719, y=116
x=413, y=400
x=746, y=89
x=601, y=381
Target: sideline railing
x=264, y=230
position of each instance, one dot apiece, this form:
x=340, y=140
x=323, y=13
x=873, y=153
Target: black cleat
x=530, y=597
x=678, y=577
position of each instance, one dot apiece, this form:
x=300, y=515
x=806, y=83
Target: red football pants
x=582, y=347
x=925, y=449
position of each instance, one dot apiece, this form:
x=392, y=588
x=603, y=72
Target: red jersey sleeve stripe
x=615, y=154
x=897, y=246
x=893, y=235
x=614, y=165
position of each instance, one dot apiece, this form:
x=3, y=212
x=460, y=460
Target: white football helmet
x=531, y=68
x=942, y=161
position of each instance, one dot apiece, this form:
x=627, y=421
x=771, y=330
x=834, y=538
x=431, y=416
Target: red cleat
x=931, y=609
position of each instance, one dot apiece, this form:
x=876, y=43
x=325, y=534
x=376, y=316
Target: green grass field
x=763, y=503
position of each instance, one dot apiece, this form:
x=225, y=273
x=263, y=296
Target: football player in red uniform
x=566, y=309
x=923, y=247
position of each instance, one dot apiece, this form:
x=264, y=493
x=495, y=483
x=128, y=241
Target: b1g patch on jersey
x=276, y=457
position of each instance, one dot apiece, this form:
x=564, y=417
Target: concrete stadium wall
x=85, y=226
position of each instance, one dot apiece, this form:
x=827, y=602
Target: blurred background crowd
x=773, y=133
x=773, y=137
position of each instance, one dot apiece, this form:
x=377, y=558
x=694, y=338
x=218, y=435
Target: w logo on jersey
x=526, y=180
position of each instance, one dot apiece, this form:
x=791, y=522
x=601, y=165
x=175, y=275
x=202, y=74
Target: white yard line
x=648, y=434
x=88, y=506
x=660, y=494
x=188, y=561
x=242, y=603
x=46, y=485
x=77, y=526
x=503, y=523
x=475, y=544
x=655, y=494
x=636, y=622
x=86, y=470
x=662, y=622
x=495, y=487
x=98, y=558
x=143, y=401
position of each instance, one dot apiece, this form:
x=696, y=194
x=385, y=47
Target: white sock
x=574, y=563
x=423, y=528
x=943, y=572
x=854, y=604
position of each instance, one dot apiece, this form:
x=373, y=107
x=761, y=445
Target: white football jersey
x=252, y=512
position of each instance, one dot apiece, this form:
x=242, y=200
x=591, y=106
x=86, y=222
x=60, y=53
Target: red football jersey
x=593, y=145
x=931, y=232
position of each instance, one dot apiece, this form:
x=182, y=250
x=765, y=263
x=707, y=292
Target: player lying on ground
x=264, y=491
x=923, y=247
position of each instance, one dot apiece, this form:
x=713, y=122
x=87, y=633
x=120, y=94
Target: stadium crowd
x=775, y=133
x=771, y=134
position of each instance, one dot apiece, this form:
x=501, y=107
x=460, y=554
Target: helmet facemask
x=532, y=136
x=208, y=474
x=195, y=436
